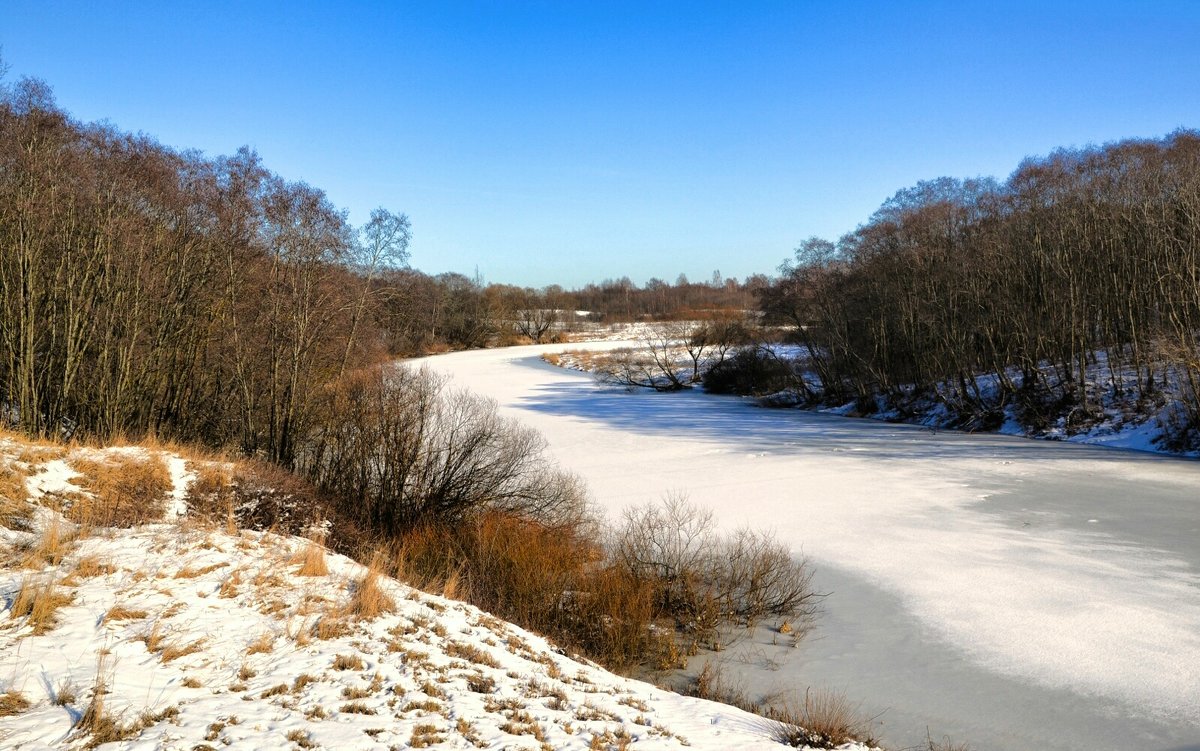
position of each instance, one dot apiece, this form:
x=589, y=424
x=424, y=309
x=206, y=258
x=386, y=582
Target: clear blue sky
x=570, y=141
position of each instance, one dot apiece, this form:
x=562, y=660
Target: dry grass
x=329, y=627
x=97, y=721
x=369, y=600
x=92, y=566
x=229, y=587
x=124, y=490
x=123, y=613
x=301, y=681
x=13, y=702
x=263, y=644
x=425, y=735
x=276, y=690
x=175, y=650
x=826, y=719
x=210, y=494
x=356, y=707
x=52, y=546
x=348, y=662
x=15, y=510
x=470, y=653
x=312, y=561
x=188, y=572
x=38, y=602
x=66, y=693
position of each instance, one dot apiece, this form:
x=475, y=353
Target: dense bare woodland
x=1082, y=258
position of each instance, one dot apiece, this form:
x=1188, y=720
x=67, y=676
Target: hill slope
x=182, y=635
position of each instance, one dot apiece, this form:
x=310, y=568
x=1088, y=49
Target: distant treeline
x=145, y=289
x=1086, y=258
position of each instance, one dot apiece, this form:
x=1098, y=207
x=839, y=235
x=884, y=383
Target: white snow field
x=1015, y=594
x=207, y=639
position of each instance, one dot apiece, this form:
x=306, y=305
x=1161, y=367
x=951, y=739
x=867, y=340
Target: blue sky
x=567, y=142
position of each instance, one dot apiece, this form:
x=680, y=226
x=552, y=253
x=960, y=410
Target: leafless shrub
x=398, y=450
x=704, y=580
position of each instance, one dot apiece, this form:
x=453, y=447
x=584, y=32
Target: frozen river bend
x=1013, y=593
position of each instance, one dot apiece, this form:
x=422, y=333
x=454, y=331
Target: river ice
x=1012, y=593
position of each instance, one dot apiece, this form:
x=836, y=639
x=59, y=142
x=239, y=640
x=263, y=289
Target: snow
x=983, y=600
x=206, y=639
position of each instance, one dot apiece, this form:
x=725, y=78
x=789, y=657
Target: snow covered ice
x=1012, y=593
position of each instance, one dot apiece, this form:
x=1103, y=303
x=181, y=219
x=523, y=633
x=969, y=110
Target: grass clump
x=15, y=510
x=348, y=662
x=425, y=735
x=369, y=600
x=826, y=719
x=97, y=721
x=38, y=601
x=312, y=561
x=122, y=490
x=13, y=702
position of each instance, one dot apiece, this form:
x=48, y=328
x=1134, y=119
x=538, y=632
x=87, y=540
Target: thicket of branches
x=399, y=451
x=1082, y=259
x=144, y=289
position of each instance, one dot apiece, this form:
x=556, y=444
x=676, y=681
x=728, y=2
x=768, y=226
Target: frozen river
x=1012, y=593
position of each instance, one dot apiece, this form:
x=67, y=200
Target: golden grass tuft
x=210, y=494
x=13, y=702
x=356, y=707
x=123, y=490
x=123, y=613
x=263, y=644
x=15, y=510
x=92, y=566
x=96, y=720
x=38, y=602
x=348, y=662
x=52, y=546
x=312, y=561
x=826, y=719
x=188, y=572
x=369, y=600
x=175, y=650
x=470, y=653
x=329, y=627
x=425, y=735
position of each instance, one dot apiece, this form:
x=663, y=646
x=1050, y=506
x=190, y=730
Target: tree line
x=987, y=293
x=144, y=289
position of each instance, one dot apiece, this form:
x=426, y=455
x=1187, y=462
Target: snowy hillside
x=184, y=635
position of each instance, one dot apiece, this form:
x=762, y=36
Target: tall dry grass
x=15, y=511
x=123, y=490
x=38, y=601
x=825, y=719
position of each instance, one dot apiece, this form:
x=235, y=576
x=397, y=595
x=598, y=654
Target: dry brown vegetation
x=90, y=566
x=13, y=702
x=123, y=489
x=15, y=511
x=38, y=601
x=368, y=599
x=121, y=612
x=312, y=560
x=825, y=719
x=96, y=721
x=51, y=546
